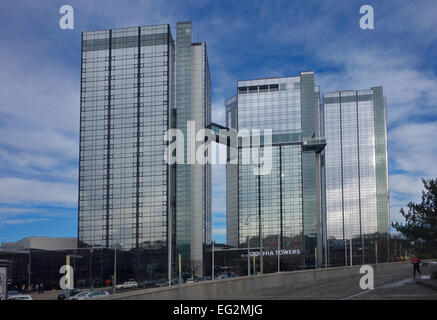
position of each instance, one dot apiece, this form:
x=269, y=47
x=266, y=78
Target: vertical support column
x=183, y=114
x=260, y=232
x=137, y=206
x=381, y=166
x=310, y=168
x=108, y=133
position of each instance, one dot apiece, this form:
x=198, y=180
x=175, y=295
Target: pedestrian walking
x=416, y=266
x=41, y=287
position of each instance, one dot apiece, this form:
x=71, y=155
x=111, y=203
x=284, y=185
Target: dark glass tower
x=357, y=205
x=284, y=205
x=136, y=84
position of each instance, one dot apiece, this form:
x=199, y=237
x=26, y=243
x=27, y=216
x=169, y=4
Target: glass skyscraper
x=356, y=177
x=136, y=84
x=281, y=208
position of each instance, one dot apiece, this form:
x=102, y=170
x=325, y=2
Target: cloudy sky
x=40, y=83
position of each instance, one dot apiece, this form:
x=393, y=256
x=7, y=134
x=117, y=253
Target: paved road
x=397, y=284
x=388, y=285
x=407, y=289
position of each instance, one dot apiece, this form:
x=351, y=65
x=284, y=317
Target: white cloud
x=410, y=186
x=21, y=221
x=413, y=148
x=218, y=111
x=16, y=190
x=409, y=91
x=24, y=159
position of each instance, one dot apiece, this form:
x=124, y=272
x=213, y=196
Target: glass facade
x=232, y=222
x=136, y=84
x=183, y=114
x=284, y=205
x=356, y=212
x=193, y=181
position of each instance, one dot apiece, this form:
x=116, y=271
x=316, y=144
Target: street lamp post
x=212, y=270
x=345, y=251
x=261, y=254
x=115, y=267
x=29, y=269
x=279, y=252
x=248, y=256
x=91, y=271
x=248, y=245
x=376, y=251
x=180, y=276
x=115, y=271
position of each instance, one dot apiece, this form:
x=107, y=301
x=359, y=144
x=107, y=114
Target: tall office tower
x=193, y=180
x=136, y=84
x=357, y=206
x=284, y=205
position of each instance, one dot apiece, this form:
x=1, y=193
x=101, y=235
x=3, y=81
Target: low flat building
x=41, y=243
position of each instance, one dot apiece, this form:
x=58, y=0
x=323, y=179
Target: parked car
x=12, y=293
x=161, y=283
x=176, y=281
x=98, y=294
x=190, y=280
x=146, y=284
x=68, y=293
x=127, y=285
x=233, y=275
x=222, y=276
x=204, y=278
x=20, y=297
x=80, y=296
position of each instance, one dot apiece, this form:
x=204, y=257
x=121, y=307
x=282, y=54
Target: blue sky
x=40, y=83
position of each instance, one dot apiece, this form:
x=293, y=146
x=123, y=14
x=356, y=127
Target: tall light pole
x=261, y=264
x=345, y=251
x=115, y=267
x=29, y=269
x=212, y=267
x=180, y=276
x=350, y=251
x=91, y=272
x=261, y=260
x=169, y=241
x=248, y=256
x=376, y=251
x=279, y=252
x=248, y=245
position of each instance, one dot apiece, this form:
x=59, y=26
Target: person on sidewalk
x=416, y=266
x=41, y=287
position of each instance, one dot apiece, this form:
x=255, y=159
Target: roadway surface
x=393, y=285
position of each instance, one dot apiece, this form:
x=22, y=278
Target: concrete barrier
x=217, y=289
